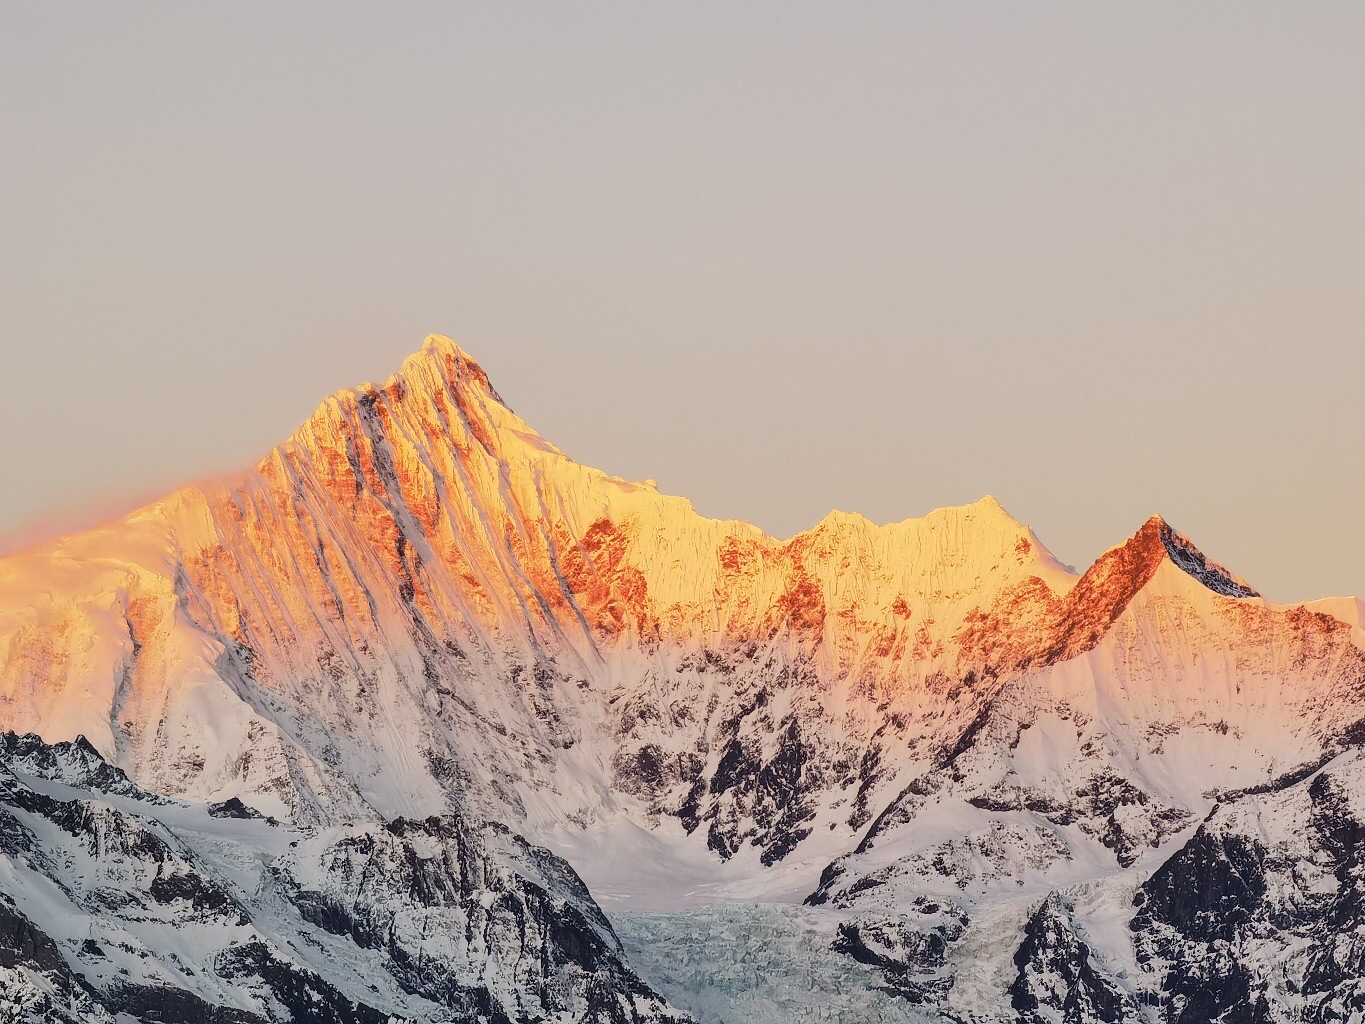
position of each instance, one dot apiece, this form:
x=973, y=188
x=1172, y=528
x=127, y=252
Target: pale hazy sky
x=1099, y=260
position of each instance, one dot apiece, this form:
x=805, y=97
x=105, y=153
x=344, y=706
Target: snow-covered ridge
x=1189, y=558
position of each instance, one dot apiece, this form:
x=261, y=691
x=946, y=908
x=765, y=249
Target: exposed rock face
x=1256, y=917
x=484, y=925
x=417, y=616
x=112, y=904
x=1058, y=976
x=910, y=950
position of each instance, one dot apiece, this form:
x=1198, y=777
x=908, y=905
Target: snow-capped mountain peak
x=417, y=615
x=1191, y=560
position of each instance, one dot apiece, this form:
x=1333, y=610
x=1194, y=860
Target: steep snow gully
x=420, y=720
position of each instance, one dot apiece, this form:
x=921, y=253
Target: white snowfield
x=939, y=769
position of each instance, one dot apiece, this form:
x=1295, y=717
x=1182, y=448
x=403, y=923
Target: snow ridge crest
x=1196, y=564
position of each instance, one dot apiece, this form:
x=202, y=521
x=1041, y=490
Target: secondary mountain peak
x=1191, y=560
x=989, y=504
x=1136, y=561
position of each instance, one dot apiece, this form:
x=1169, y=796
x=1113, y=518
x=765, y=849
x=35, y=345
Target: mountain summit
x=417, y=616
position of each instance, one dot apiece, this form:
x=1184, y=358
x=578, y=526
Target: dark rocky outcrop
x=1059, y=976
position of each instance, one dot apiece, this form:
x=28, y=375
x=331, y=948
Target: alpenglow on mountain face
x=420, y=720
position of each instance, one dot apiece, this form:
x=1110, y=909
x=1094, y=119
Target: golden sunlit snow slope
x=417, y=601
